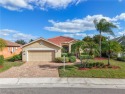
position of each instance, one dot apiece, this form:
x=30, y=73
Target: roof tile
x=60, y=39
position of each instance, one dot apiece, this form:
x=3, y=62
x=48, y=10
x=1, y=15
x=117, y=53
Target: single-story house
x=11, y=49
x=46, y=49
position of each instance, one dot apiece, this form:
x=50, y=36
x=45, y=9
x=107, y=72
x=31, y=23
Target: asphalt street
x=61, y=91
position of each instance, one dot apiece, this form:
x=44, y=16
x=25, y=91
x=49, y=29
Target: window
x=13, y=49
x=16, y=48
x=9, y=49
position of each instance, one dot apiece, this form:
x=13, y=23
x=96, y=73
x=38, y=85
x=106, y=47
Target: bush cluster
x=84, y=53
x=64, y=54
x=15, y=58
x=72, y=59
x=1, y=59
x=96, y=64
x=86, y=57
x=121, y=58
x=61, y=59
x=69, y=58
x=67, y=54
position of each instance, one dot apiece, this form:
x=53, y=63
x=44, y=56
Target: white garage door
x=41, y=55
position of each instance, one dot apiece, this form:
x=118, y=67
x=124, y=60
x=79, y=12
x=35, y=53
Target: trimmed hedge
x=86, y=57
x=1, y=59
x=72, y=59
x=95, y=64
x=61, y=59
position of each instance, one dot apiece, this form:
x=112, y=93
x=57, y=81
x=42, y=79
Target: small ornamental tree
x=2, y=44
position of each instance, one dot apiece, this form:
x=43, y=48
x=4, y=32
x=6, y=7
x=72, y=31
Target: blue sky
x=31, y=19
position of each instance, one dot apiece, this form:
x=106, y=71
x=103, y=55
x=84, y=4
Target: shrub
x=64, y=54
x=121, y=58
x=94, y=64
x=91, y=57
x=72, y=59
x=1, y=59
x=90, y=65
x=58, y=60
x=66, y=59
x=84, y=53
x=15, y=58
x=70, y=54
x=97, y=64
x=114, y=56
x=86, y=57
x=61, y=59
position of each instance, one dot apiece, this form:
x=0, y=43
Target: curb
x=62, y=82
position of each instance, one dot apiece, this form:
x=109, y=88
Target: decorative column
x=70, y=48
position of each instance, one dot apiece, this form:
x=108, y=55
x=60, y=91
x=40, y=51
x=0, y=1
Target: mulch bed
x=106, y=67
x=1, y=66
x=100, y=58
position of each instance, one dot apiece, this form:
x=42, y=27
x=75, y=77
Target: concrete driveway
x=33, y=69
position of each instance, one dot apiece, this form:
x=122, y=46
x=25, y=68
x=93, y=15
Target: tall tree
x=97, y=37
x=2, y=44
x=87, y=39
x=22, y=42
x=31, y=40
x=103, y=26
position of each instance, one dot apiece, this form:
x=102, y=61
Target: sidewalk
x=62, y=82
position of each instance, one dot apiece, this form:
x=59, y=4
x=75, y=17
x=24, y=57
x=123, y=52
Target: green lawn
x=8, y=65
x=72, y=71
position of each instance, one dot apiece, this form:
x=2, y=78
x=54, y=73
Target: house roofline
x=43, y=40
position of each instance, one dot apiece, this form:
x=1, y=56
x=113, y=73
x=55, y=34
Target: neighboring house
x=46, y=50
x=11, y=49
x=120, y=40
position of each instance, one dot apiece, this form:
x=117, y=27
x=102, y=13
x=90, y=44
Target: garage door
x=41, y=55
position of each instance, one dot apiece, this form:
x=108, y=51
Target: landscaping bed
x=117, y=70
x=106, y=67
x=102, y=58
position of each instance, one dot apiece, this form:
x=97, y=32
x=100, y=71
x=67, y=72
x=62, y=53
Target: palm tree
x=77, y=46
x=103, y=26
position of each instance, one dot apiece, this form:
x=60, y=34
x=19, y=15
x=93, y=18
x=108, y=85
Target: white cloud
x=6, y=32
x=14, y=35
x=75, y=35
x=78, y=25
x=42, y=4
x=122, y=33
x=23, y=36
x=80, y=35
x=16, y=4
x=120, y=17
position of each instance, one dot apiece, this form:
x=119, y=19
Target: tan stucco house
x=46, y=49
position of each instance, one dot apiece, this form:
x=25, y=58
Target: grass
x=72, y=71
x=8, y=65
